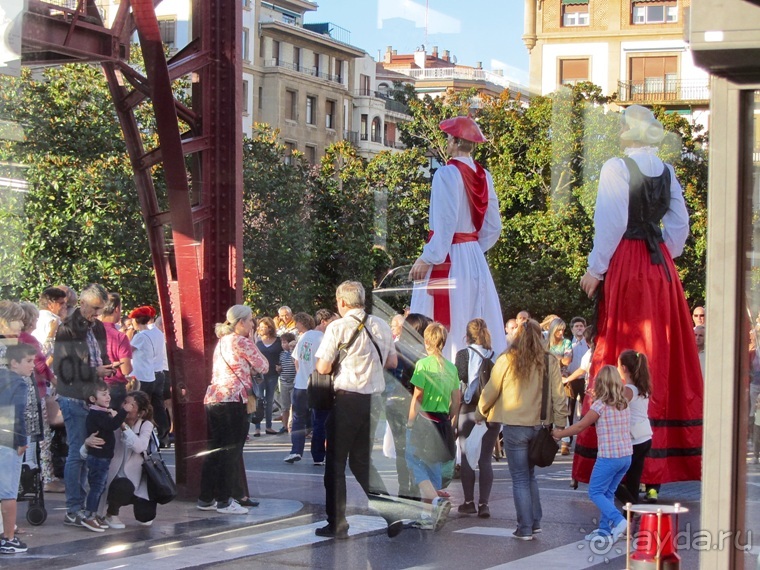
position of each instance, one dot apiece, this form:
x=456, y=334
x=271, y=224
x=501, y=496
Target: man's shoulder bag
x=542, y=448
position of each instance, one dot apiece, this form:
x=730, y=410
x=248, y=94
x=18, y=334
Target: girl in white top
x=634, y=369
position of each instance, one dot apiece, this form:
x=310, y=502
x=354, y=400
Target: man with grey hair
x=359, y=384
x=80, y=358
x=284, y=322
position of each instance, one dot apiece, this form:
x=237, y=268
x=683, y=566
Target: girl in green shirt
x=435, y=400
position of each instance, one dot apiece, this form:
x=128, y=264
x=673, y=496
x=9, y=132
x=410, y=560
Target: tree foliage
x=80, y=220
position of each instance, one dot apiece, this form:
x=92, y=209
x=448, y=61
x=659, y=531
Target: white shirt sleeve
x=444, y=208
x=610, y=215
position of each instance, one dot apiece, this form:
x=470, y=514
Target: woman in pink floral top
x=236, y=358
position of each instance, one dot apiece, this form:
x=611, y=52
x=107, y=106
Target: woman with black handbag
x=126, y=482
x=513, y=397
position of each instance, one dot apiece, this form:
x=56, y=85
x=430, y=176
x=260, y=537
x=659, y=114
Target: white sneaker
x=233, y=508
x=292, y=458
x=619, y=530
x=115, y=522
x=146, y=523
x=441, y=508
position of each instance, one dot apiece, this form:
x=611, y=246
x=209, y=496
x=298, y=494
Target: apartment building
x=437, y=72
x=635, y=48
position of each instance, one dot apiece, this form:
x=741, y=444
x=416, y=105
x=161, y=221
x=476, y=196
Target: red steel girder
x=198, y=268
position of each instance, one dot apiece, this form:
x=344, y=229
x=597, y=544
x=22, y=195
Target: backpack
x=484, y=372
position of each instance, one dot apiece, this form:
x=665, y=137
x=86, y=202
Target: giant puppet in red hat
x=453, y=283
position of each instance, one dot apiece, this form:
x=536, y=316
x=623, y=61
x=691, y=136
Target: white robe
x=472, y=293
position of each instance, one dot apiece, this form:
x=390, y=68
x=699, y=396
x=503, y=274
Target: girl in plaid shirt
x=612, y=416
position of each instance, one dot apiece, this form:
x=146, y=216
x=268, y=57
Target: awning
x=565, y=2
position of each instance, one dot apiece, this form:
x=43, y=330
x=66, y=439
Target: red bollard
x=656, y=547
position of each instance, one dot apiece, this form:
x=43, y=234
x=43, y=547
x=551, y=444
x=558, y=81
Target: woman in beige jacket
x=513, y=398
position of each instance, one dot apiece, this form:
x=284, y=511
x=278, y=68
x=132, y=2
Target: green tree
x=277, y=225
x=81, y=221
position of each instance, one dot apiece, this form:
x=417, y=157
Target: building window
x=297, y=58
x=289, y=19
x=330, y=114
x=261, y=97
x=246, y=46
x=363, y=129
x=291, y=109
x=311, y=154
x=245, y=96
x=290, y=148
x=574, y=13
x=276, y=52
x=376, y=132
x=365, y=84
x=316, y=64
x=168, y=29
x=571, y=71
x=311, y=108
x=339, y=70
x=246, y=3
x=655, y=12
x=654, y=77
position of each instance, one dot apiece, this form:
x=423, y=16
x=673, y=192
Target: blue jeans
x=75, y=472
x=299, y=410
x=97, y=474
x=607, y=474
x=269, y=387
x=524, y=484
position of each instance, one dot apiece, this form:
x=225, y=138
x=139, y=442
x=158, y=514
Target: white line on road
x=574, y=556
x=174, y=555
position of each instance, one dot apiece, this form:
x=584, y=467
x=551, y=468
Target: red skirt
x=643, y=311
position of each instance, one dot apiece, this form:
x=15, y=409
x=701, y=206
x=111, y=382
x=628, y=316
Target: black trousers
x=155, y=391
x=628, y=490
x=227, y=428
x=349, y=440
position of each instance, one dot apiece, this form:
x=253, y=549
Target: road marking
x=175, y=555
x=574, y=556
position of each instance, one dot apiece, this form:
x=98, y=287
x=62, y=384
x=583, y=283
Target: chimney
x=435, y=51
x=478, y=65
x=388, y=55
x=395, y=52
x=445, y=55
x=419, y=58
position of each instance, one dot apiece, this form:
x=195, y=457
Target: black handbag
x=543, y=448
x=161, y=486
x=433, y=437
x=320, y=390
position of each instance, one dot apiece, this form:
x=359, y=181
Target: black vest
x=648, y=202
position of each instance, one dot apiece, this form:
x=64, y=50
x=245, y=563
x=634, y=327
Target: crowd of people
x=449, y=376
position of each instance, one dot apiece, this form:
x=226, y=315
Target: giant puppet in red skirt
x=641, y=223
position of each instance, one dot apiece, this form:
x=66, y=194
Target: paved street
x=280, y=532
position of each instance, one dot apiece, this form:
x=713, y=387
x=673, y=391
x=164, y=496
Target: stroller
x=31, y=490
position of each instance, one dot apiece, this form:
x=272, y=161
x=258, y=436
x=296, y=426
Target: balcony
x=664, y=91
x=355, y=138
x=390, y=104
x=464, y=74
x=312, y=71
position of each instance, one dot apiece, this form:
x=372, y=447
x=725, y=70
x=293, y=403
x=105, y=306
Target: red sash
x=476, y=185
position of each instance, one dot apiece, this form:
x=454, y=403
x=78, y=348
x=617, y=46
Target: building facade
x=634, y=48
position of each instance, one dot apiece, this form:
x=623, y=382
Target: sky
x=489, y=31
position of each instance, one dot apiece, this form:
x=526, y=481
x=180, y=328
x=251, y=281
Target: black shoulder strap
x=545, y=390
x=480, y=354
x=363, y=326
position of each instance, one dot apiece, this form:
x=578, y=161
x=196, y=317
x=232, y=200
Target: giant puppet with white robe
x=453, y=283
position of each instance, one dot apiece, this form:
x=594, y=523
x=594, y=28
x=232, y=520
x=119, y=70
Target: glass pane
x=750, y=471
